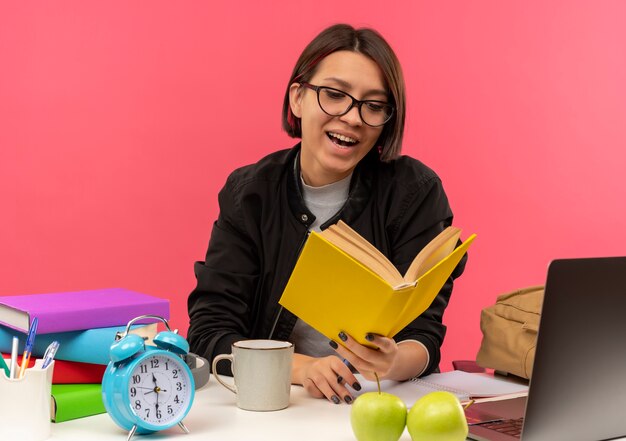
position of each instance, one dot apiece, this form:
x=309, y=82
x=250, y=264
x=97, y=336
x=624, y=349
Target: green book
x=71, y=401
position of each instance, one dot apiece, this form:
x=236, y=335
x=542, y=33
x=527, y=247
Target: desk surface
x=214, y=416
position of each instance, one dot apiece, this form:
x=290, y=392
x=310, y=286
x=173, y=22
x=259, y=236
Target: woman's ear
x=295, y=99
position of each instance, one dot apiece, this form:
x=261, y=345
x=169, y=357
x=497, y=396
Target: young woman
x=345, y=100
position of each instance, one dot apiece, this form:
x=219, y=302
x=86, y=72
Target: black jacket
x=398, y=206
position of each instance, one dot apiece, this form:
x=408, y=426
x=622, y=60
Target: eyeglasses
x=335, y=102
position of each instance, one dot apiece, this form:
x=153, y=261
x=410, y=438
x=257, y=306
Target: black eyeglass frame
x=355, y=102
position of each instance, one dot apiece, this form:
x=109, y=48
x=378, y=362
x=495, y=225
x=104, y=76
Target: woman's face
x=332, y=146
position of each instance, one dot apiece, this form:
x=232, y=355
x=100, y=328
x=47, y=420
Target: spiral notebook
x=464, y=385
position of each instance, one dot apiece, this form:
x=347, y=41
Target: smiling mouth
x=341, y=140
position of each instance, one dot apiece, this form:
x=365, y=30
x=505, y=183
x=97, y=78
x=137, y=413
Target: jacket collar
x=360, y=190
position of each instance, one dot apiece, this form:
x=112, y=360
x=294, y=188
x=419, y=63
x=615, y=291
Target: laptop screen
x=578, y=385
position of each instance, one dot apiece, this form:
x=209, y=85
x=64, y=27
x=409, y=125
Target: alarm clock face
x=160, y=389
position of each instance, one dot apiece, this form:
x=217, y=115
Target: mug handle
x=216, y=375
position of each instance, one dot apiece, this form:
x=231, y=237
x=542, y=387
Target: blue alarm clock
x=148, y=388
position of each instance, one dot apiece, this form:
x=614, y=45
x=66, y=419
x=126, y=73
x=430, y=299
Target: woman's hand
x=324, y=377
x=387, y=360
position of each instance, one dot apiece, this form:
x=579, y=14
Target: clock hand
x=156, y=389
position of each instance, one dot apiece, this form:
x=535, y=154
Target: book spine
x=73, y=372
x=70, y=372
x=72, y=401
x=88, y=346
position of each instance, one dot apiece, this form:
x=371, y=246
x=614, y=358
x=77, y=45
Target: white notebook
x=464, y=385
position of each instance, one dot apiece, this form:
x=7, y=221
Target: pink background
x=119, y=122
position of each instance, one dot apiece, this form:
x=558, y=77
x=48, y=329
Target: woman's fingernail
x=356, y=386
x=339, y=379
x=348, y=399
x=335, y=399
x=369, y=337
x=333, y=344
x=343, y=336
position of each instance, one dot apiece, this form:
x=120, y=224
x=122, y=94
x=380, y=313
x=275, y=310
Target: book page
x=352, y=243
x=464, y=385
x=408, y=391
x=14, y=318
x=473, y=384
x=437, y=249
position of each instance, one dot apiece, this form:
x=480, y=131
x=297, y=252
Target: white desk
x=215, y=416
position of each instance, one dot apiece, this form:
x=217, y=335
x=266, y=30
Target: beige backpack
x=510, y=332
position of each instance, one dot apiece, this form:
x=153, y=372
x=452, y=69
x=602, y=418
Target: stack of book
x=85, y=324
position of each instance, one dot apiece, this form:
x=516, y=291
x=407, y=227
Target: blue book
x=88, y=346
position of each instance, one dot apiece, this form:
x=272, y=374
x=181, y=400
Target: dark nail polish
x=335, y=399
x=369, y=337
x=343, y=336
x=339, y=379
x=356, y=386
x=348, y=399
x=333, y=344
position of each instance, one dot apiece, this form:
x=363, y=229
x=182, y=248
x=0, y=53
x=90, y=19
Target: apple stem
x=377, y=381
x=468, y=404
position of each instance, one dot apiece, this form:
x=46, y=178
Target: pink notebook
x=78, y=310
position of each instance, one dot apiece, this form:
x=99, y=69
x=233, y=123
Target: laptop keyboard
x=511, y=427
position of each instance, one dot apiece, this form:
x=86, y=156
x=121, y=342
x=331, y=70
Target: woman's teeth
x=344, y=141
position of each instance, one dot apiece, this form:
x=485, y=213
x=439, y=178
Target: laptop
x=578, y=386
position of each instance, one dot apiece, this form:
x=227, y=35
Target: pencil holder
x=25, y=404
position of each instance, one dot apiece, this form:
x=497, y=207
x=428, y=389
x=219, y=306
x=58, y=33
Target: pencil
x=14, y=349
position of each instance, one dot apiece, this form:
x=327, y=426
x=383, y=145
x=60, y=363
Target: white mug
x=262, y=373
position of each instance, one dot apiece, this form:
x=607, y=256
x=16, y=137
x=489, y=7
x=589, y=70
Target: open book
x=464, y=385
x=341, y=282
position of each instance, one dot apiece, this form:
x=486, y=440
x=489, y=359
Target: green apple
x=378, y=416
x=437, y=416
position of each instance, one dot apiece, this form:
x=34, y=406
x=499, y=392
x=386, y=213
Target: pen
x=48, y=356
x=28, y=349
x=3, y=365
x=13, y=370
